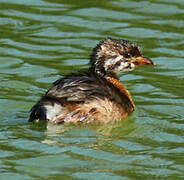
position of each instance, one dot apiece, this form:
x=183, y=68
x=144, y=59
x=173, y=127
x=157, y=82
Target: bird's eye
x=127, y=55
x=136, y=63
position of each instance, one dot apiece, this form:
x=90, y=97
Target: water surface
x=41, y=40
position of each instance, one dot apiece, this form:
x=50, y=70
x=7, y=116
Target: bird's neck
x=124, y=92
x=101, y=73
x=113, y=79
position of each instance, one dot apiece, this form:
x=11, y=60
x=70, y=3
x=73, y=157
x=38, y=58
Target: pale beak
x=141, y=61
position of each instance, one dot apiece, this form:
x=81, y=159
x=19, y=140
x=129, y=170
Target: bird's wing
x=76, y=88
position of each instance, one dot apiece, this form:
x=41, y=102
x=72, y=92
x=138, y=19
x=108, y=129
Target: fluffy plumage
x=96, y=95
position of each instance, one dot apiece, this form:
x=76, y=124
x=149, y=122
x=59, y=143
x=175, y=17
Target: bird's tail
x=38, y=112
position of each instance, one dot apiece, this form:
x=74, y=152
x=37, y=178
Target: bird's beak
x=141, y=61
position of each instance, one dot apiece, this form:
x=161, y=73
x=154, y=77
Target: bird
x=94, y=95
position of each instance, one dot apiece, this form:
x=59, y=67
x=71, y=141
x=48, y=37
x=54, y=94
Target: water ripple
x=41, y=40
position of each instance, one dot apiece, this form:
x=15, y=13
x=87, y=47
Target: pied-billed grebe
x=96, y=95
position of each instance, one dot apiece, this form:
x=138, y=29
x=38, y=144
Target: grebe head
x=111, y=57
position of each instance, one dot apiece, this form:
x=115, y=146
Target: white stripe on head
x=111, y=61
x=110, y=65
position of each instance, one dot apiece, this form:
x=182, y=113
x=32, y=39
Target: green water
x=40, y=40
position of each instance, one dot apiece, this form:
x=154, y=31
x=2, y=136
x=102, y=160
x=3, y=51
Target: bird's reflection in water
x=75, y=133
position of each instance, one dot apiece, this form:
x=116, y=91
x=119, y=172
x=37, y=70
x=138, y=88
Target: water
x=41, y=40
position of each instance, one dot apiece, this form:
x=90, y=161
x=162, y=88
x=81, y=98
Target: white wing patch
x=53, y=111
